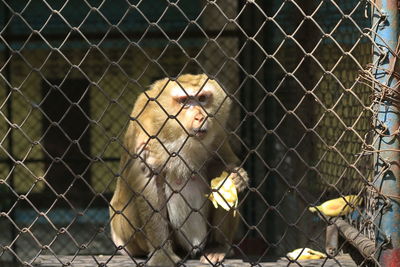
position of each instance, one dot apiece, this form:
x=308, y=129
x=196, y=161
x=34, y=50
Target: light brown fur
x=172, y=153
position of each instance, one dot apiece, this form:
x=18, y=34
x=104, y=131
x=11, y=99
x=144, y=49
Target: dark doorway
x=67, y=139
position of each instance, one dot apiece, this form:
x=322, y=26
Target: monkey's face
x=192, y=110
x=193, y=105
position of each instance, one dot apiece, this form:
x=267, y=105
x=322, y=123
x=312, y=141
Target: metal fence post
x=387, y=169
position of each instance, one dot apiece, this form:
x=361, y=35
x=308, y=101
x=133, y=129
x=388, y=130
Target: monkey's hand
x=239, y=177
x=147, y=160
x=163, y=258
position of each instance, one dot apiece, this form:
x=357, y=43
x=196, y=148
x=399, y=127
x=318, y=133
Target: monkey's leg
x=155, y=223
x=224, y=225
x=124, y=222
x=124, y=215
x=139, y=223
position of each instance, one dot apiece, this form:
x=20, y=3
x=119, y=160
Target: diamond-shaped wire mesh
x=301, y=118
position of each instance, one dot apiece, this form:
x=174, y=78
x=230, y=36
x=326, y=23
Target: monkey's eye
x=183, y=100
x=202, y=99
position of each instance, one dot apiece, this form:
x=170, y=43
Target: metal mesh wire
x=301, y=123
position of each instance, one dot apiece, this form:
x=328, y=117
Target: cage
x=71, y=71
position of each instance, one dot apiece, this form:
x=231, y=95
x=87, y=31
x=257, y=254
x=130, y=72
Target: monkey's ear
x=129, y=139
x=140, y=146
x=139, y=142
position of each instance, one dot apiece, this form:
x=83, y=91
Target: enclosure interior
x=70, y=73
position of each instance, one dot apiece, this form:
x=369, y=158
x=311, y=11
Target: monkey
x=175, y=143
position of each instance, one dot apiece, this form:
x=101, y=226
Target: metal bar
x=332, y=240
x=133, y=35
x=247, y=99
x=387, y=171
x=352, y=235
x=10, y=146
x=271, y=119
x=105, y=159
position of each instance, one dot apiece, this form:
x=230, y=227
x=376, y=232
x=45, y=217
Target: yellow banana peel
x=224, y=192
x=338, y=206
x=305, y=254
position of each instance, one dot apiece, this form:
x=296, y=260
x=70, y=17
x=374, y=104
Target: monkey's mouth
x=200, y=132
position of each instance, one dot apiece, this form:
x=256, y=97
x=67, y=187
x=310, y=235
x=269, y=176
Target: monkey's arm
x=224, y=222
x=138, y=210
x=232, y=162
x=143, y=135
x=139, y=216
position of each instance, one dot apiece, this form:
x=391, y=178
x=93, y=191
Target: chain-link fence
x=311, y=84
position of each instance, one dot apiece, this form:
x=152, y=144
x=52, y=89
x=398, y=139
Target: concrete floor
x=125, y=261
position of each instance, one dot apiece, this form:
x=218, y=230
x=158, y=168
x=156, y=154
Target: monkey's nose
x=199, y=118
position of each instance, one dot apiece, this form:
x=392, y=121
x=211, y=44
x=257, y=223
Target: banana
x=224, y=192
x=305, y=254
x=338, y=206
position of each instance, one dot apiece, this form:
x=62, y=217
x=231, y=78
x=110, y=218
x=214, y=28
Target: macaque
x=175, y=143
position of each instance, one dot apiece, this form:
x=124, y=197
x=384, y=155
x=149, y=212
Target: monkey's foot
x=160, y=258
x=212, y=257
x=215, y=254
